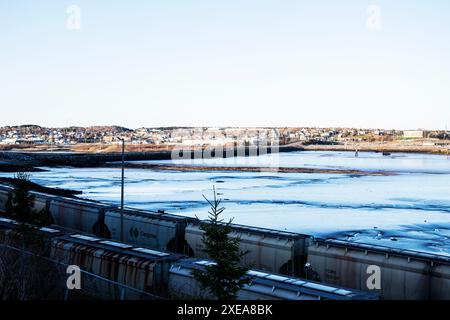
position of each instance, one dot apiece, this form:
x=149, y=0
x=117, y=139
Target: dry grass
x=104, y=148
x=380, y=146
x=87, y=148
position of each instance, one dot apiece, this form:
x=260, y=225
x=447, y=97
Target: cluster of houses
x=35, y=135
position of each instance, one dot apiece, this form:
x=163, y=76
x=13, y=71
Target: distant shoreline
x=370, y=147
x=149, y=149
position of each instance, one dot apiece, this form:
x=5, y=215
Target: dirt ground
x=86, y=148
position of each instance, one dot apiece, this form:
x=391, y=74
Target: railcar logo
x=134, y=233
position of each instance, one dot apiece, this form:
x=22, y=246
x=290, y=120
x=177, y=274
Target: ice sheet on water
x=409, y=210
x=330, y=159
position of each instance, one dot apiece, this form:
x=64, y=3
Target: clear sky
x=226, y=63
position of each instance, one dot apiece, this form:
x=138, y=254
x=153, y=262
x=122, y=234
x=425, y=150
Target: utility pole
x=51, y=138
x=122, y=189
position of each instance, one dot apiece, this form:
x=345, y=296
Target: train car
x=403, y=274
x=263, y=286
x=5, y=196
x=75, y=214
x=270, y=250
x=137, y=267
x=152, y=229
x=159, y=231
x=11, y=234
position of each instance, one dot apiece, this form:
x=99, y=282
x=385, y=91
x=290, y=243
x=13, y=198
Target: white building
x=9, y=141
x=414, y=134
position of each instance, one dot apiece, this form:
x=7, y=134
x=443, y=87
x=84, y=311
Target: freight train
x=164, y=274
x=269, y=250
x=404, y=274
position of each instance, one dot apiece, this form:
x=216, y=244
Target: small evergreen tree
x=24, y=272
x=225, y=277
x=21, y=206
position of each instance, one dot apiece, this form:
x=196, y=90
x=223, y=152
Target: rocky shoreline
x=38, y=188
x=13, y=161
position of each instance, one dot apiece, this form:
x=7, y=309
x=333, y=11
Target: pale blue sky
x=226, y=63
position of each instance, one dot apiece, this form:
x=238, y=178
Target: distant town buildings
x=172, y=136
